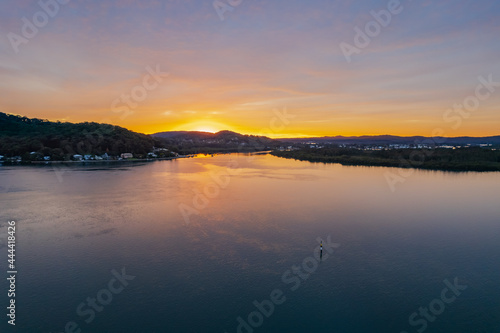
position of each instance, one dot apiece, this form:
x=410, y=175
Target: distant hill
x=19, y=136
x=185, y=142
x=362, y=140
x=22, y=136
x=199, y=142
x=391, y=139
x=195, y=135
x=174, y=134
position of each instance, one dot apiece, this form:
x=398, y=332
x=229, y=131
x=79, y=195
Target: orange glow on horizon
x=202, y=126
x=260, y=125
x=297, y=131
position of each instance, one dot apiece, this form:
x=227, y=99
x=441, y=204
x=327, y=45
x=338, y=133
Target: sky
x=279, y=68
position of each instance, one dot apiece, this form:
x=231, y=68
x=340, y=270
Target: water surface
x=250, y=219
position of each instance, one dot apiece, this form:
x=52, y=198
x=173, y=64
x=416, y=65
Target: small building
x=157, y=150
x=46, y=158
x=77, y=157
x=126, y=155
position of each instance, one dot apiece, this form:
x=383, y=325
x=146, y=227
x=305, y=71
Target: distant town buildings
x=373, y=147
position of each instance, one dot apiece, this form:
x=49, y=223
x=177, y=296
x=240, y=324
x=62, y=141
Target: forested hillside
x=19, y=136
x=223, y=141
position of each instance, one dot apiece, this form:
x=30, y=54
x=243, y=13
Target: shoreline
x=92, y=161
x=392, y=164
x=133, y=160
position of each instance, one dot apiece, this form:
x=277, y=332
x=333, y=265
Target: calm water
x=262, y=216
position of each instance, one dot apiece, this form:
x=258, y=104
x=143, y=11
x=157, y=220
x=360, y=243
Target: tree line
x=460, y=159
x=20, y=136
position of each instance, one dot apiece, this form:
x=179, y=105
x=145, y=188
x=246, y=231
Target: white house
x=127, y=155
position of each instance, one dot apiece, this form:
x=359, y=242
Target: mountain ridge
x=340, y=139
x=394, y=139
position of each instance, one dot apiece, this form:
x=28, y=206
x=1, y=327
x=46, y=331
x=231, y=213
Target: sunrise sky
x=262, y=57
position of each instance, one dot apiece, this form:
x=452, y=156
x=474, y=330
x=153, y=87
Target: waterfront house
x=127, y=155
